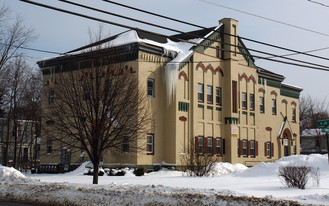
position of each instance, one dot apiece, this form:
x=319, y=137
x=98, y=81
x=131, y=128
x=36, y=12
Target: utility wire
x=319, y=3
x=202, y=27
x=137, y=29
x=33, y=49
x=189, y=34
x=305, y=52
x=266, y=18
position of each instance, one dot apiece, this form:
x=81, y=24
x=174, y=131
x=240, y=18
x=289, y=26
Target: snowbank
x=258, y=185
x=223, y=168
x=11, y=175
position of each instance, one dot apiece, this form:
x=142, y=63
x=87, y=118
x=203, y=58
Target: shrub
x=112, y=172
x=198, y=164
x=91, y=171
x=298, y=176
x=139, y=171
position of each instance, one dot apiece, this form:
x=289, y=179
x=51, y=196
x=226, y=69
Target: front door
x=286, y=142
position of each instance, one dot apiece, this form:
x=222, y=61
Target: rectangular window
x=261, y=104
x=252, y=148
x=209, y=145
x=200, y=145
x=268, y=149
x=86, y=91
x=245, y=147
x=150, y=144
x=252, y=102
x=209, y=94
x=125, y=144
x=218, y=96
x=294, y=114
x=200, y=92
x=274, y=106
x=244, y=100
x=239, y=150
x=234, y=97
x=218, y=146
x=49, y=145
x=150, y=87
x=51, y=96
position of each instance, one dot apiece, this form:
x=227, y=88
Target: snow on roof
x=311, y=132
x=291, y=86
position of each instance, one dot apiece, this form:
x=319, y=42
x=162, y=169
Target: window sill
x=150, y=154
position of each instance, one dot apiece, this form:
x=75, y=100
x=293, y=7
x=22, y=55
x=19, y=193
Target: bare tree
x=13, y=100
x=98, y=107
x=310, y=111
x=13, y=36
x=197, y=163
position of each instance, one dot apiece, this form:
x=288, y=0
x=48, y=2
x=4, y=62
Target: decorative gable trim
x=274, y=93
x=244, y=76
x=261, y=90
x=182, y=73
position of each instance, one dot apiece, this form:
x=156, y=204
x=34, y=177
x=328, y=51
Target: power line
x=319, y=3
x=266, y=18
x=189, y=34
x=32, y=49
x=137, y=29
x=305, y=52
x=202, y=27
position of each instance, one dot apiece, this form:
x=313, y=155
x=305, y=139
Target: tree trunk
x=95, y=173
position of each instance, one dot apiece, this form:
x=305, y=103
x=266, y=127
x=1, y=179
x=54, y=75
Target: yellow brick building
x=210, y=94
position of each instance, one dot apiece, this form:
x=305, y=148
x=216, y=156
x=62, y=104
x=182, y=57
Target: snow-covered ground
x=168, y=187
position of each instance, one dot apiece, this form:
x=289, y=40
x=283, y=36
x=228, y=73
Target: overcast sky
x=62, y=32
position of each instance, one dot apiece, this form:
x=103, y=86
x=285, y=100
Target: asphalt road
x=16, y=204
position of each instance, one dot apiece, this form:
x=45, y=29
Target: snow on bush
x=223, y=168
x=10, y=174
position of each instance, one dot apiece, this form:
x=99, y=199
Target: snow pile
x=239, y=186
x=271, y=169
x=11, y=175
x=165, y=172
x=223, y=168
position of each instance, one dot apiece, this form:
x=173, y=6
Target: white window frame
x=51, y=96
x=210, y=96
x=210, y=146
x=125, y=144
x=200, y=92
x=219, y=96
x=219, y=148
x=150, y=144
x=200, y=144
x=262, y=104
x=268, y=149
x=293, y=117
x=244, y=100
x=245, y=147
x=252, y=148
x=274, y=107
x=252, y=102
x=150, y=88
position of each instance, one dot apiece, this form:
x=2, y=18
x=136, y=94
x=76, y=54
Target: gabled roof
x=269, y=75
